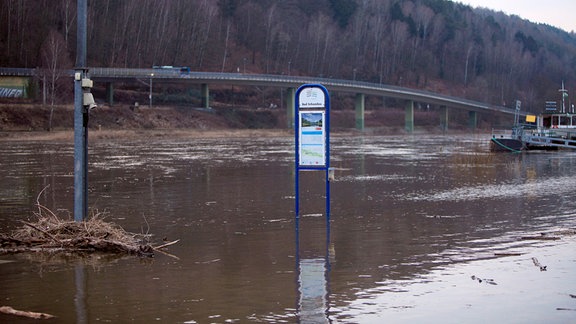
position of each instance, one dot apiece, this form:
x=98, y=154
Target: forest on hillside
x=435, y=45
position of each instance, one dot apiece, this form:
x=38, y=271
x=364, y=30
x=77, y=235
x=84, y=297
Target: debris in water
x=537, y=263
x=49, y=233
x=11, y=311
x=541, y=237
x=486, y=281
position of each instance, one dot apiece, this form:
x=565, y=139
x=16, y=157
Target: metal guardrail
x=175, y=74
x=17, y=72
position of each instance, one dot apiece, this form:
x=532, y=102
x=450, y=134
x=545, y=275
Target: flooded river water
x=422, y=229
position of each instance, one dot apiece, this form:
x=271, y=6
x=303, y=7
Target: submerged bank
x=32, y=121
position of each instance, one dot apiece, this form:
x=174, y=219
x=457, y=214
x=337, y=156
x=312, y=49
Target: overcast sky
x=558, y=13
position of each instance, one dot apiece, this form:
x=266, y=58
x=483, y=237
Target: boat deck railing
x=568, y=133
x=551, y=139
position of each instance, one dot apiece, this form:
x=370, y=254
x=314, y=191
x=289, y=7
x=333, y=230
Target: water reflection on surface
x=313, y=303
x=412, y=220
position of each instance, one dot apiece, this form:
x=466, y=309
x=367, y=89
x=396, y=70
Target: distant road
x=175, y=75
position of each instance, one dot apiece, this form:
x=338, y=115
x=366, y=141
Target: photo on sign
x=312, y=138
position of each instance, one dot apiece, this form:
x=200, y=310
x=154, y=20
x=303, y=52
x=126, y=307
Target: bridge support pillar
x=110, y=93
x=443, y=118
x=409, y=117
x=359, y=103
x=205, y=95
x=290, y=107
x=472, y=119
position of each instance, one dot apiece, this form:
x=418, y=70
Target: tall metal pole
x=80, y=120
x=564, y=95
x=150, y=94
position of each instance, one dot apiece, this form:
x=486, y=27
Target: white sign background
x=312, y=97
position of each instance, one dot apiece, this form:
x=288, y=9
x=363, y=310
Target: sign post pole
x=312, y=136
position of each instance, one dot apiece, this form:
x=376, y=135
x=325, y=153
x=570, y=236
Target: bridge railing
x=17, y=72
x=279, y=80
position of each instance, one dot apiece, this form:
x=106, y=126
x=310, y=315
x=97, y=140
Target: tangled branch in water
x=52, y=234
x=49, y=233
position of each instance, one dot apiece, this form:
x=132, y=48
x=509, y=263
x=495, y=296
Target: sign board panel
x=312, y=138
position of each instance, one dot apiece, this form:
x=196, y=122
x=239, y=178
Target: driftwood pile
x=52, y=234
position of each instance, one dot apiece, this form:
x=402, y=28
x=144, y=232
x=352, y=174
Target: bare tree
x=68, y=12
x=55, y=61
x=270, y=33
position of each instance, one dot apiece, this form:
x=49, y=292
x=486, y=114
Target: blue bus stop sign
x=312, y=135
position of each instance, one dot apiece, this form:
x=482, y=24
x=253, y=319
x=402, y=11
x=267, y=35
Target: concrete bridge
x=361, y=89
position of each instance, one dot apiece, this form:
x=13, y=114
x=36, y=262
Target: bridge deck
x=175, y=75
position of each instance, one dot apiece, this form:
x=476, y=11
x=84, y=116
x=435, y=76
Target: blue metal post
x=80, y=121
x=327, y=171
x=297, y=165
x=79, y=152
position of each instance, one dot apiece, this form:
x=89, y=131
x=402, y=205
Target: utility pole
x=564, y=95
x=83, y=102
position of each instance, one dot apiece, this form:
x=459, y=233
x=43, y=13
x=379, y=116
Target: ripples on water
x=413, y=219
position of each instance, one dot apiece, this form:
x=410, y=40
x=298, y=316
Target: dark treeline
x=437, y=45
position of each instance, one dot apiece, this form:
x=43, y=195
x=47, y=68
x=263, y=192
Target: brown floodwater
x=422, y=229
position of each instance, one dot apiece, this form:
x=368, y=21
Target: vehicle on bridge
x=183, y=70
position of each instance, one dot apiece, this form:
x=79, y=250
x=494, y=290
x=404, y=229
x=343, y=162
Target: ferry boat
x=552, y=130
